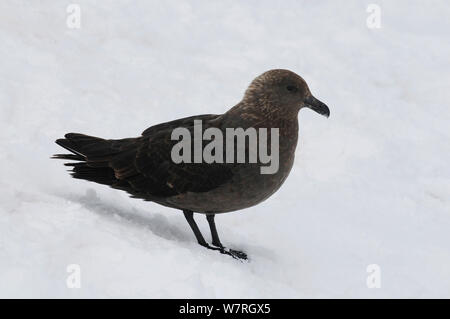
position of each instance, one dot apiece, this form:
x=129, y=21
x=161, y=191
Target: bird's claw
x=236, y=254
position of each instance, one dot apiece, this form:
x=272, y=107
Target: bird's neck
x=259, y=116
x=248, y=116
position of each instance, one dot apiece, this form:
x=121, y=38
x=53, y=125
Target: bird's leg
x=189, y=215
x=216, y=241
x=190, y=219
x=212, y=226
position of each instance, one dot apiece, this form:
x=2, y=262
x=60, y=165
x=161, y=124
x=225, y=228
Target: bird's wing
x=149, y=169
x=183, y=122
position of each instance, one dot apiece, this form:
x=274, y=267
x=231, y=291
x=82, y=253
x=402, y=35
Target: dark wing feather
x=143, y=166
x=154, y=172
x=183, y=122
x=150, y=169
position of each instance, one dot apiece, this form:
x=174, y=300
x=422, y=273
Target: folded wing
x=142, y=166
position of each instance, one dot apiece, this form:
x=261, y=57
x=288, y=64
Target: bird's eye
x=291, y=88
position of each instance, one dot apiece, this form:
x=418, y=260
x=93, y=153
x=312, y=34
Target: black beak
x=315, y=105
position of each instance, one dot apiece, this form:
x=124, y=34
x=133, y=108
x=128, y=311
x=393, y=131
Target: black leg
x=216, y=241
x=189, y=215
x=190, y=219
x=212, y=226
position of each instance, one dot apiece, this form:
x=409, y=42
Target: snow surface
x=370, y=185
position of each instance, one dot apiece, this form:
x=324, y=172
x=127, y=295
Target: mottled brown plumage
x=143, y=167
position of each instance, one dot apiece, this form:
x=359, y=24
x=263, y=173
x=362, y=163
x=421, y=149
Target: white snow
x=370, y=185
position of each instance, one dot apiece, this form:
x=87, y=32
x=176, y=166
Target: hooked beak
x=315, y=105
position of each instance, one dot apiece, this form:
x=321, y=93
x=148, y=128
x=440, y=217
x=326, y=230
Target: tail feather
x=101, y=175
x=92, y=155
x=72, y=157
x=85, y=145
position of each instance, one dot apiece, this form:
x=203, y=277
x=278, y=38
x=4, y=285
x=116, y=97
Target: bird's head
x=282, y=91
